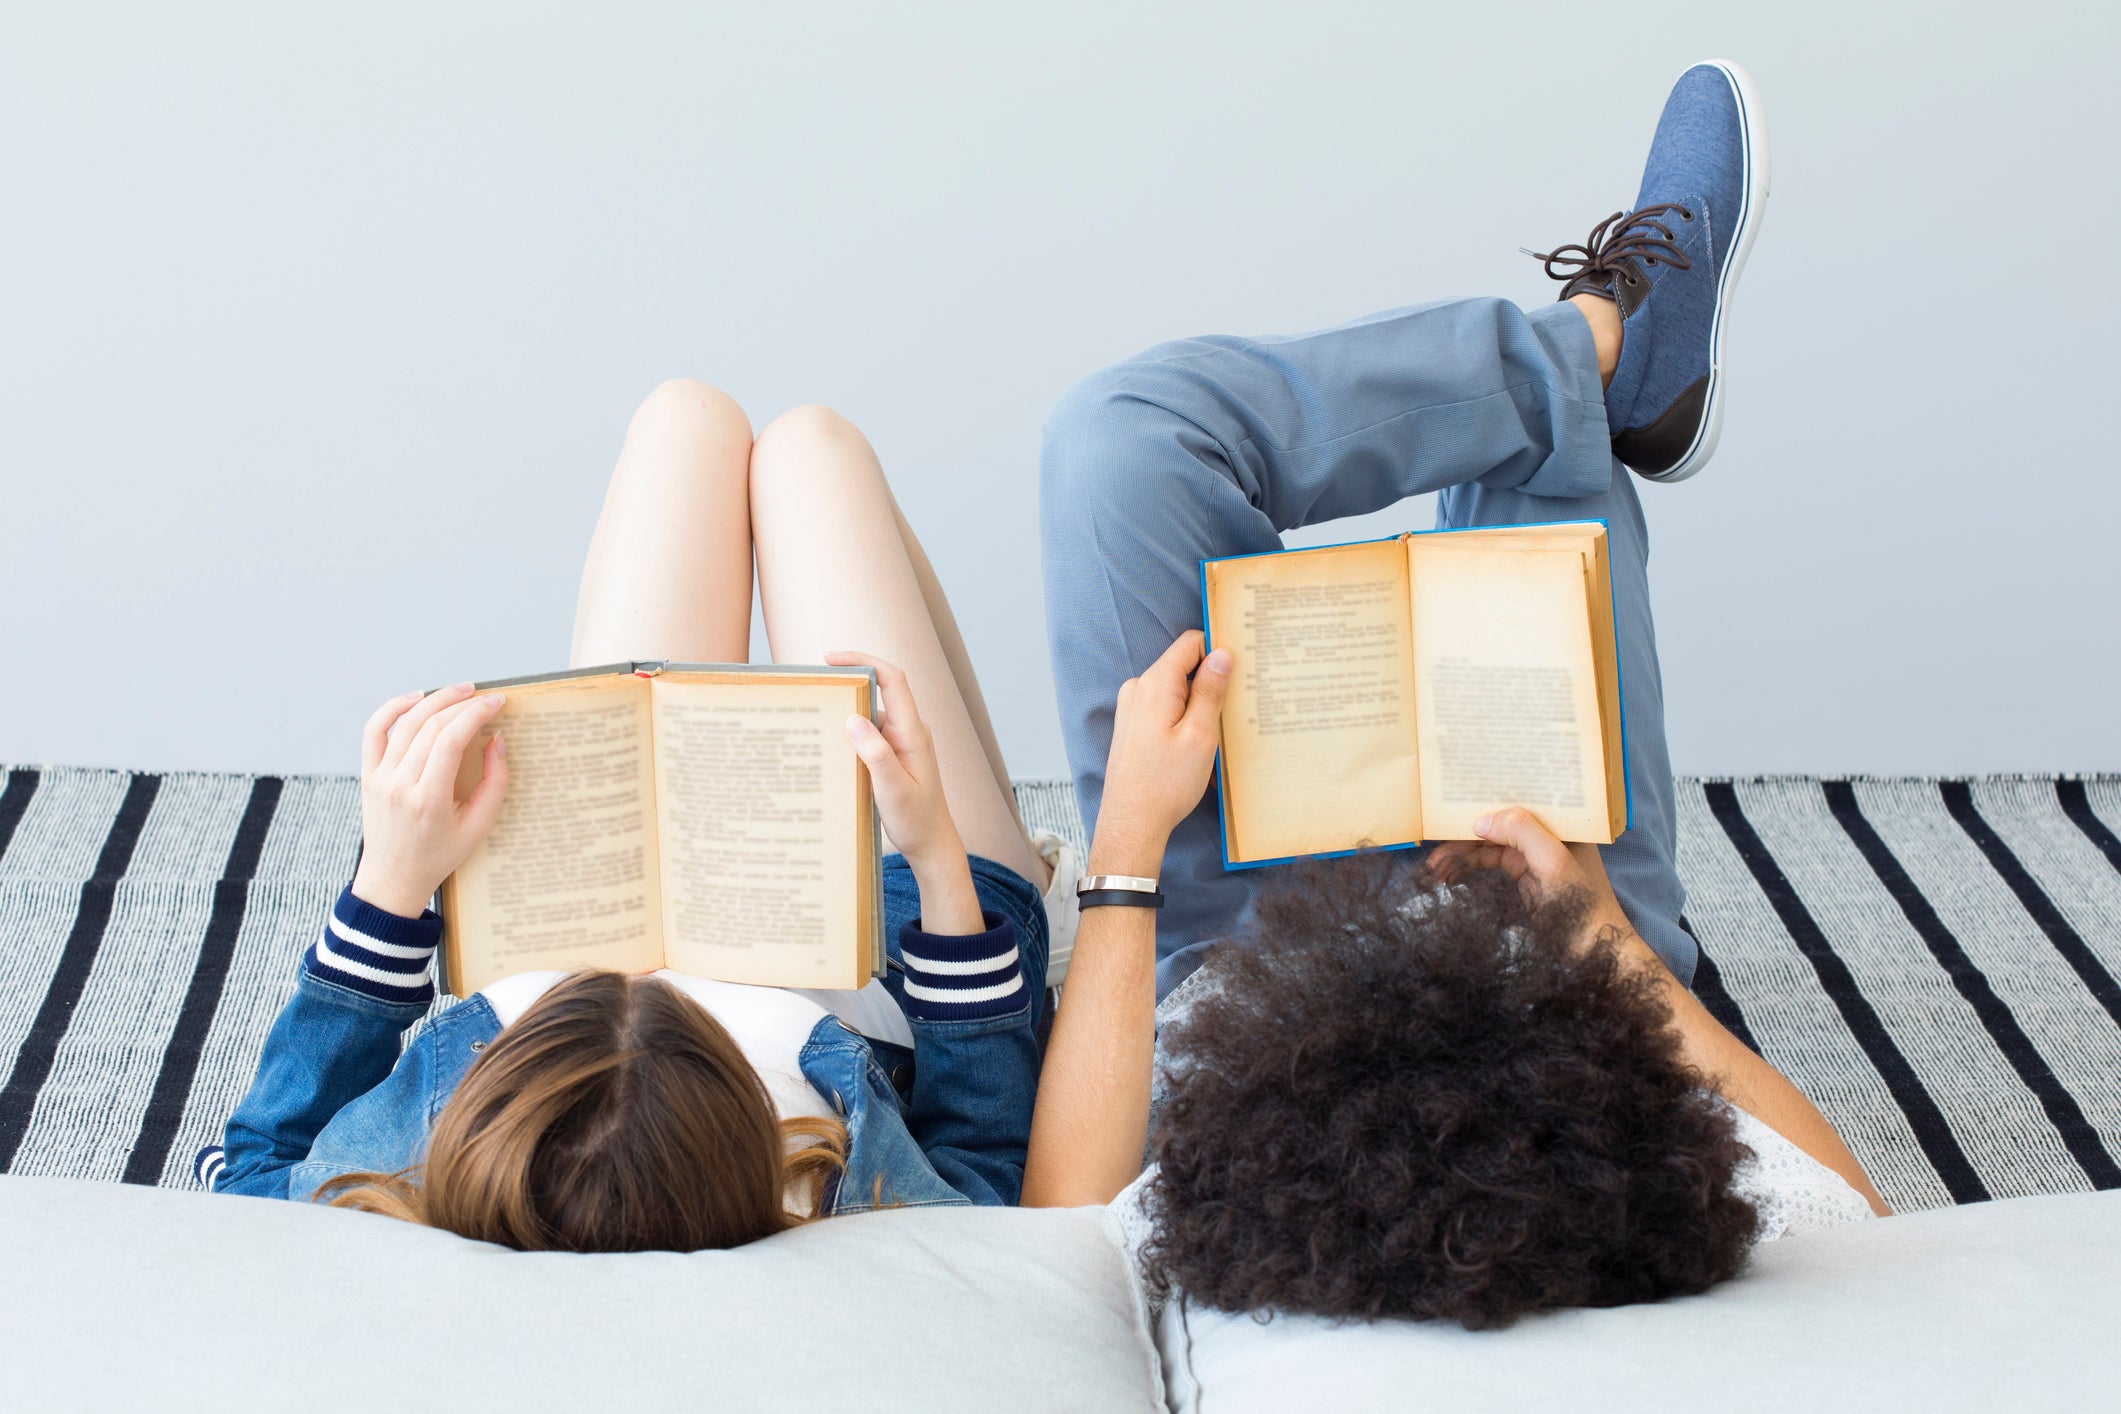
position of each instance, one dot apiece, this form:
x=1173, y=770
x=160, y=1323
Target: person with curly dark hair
x=1405, y=1099
x=1471, y=1087
x=1461, y=1088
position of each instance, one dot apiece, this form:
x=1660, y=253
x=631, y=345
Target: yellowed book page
x=567, y=876
x=1506, y=685
x=1318, y=726
x=761, y=829
x=1589, y=537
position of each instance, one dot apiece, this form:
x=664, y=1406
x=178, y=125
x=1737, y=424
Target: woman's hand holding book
x=414, y=830
x=903, y=772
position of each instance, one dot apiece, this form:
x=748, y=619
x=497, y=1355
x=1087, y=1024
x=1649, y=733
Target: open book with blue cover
x=1389, y=692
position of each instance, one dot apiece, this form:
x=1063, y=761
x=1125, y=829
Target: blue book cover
x=1326, y=694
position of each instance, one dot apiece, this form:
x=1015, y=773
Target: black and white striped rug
x=1934, y=962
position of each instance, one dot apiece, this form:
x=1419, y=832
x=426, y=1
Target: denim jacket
x=946, y=1123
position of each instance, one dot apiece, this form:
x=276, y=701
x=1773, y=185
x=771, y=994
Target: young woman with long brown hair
x=605, y=1112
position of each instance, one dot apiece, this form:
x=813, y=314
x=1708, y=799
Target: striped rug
x=1934, y=962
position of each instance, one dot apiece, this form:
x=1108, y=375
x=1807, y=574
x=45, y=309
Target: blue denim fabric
x=946, y=1123
x=1209, y=447
x=966, y=1107
x=328, y=1046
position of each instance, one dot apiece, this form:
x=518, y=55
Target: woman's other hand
x=1165, y=731
x=908, y=781
x=900, y=755
x=414, y=830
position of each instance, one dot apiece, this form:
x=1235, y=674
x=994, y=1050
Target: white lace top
x=1791, y=1190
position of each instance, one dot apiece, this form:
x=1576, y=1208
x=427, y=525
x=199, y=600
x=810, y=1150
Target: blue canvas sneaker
x=1671, y=264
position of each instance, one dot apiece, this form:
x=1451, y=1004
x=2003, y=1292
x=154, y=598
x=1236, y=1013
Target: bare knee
x=686, y=406
x=815, y=446
x=1090, y=447
x=811, y=424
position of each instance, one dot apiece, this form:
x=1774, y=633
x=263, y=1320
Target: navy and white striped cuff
x=207, y=1167
x=963, y=978
x=376, y=953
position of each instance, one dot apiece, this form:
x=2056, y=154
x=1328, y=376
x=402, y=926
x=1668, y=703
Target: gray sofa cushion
x=2005, y=1305
x=118, y=1297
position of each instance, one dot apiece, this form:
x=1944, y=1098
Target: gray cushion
x=119, y=1297
x=2004, y=1305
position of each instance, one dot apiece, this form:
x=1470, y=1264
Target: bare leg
x=669, y=570
x=960, y=660
x=838, y=568
x=1604, y=318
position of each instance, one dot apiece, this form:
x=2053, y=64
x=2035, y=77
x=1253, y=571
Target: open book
x=1393, y=691
x=707, y=817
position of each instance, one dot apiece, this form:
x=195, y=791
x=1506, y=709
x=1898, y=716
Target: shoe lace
x=1621, y=237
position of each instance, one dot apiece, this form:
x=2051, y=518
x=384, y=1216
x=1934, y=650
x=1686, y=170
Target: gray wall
x=320, y=329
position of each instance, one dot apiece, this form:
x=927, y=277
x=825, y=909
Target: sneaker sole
x=1752, y=118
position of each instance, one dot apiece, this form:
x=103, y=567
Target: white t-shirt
x=871, y=1011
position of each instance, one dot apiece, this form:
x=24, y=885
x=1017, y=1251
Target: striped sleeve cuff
x=376, y=953
x=962, y=978
x=207, y=1167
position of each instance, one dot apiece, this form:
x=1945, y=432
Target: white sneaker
x=1063, y=913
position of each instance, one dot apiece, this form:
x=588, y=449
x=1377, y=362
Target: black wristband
x=1121, y=898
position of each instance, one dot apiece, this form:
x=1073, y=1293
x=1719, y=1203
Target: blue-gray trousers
x=1214, y=446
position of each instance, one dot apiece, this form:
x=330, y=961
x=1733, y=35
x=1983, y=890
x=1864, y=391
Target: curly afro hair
x=1398, y=1099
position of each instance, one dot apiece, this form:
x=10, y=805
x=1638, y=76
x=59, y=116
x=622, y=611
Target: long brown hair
x=615, y=1115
